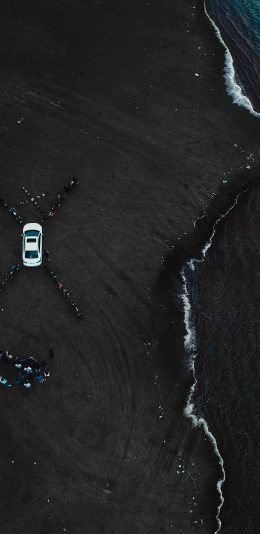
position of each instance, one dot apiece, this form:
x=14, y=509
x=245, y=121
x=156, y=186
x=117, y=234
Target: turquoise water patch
x=244, y=14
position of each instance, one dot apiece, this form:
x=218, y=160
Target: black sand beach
x=107, y=91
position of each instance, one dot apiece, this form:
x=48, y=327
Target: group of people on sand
x=9, y=275
x=12, y=210
x=64, y=291
x=53, y=208
x=72, y=183
x=59, y=199
x=28, y=369
x=33, y=199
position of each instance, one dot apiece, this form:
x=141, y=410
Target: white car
x=32, y=245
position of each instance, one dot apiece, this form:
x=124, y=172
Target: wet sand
x=108, y=92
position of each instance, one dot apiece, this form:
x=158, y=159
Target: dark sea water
x=239, y=24
x=222, y=303
x=221, y=298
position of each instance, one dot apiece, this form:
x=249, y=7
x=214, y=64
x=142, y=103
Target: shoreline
x=233, y=88
x=176, y=262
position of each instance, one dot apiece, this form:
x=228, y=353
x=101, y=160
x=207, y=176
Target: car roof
x=31, y=246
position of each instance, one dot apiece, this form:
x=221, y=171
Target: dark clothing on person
x=47, y=255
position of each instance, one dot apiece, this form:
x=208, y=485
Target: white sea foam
x=233, y=88
x=190, y=346
x=210, y=241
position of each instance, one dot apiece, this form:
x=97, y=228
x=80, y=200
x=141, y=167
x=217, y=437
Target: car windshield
x=31, y=254
x=32, y=233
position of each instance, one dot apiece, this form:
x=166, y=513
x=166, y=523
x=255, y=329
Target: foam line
x=210, y=241
x=190, y=346
x=233, y=89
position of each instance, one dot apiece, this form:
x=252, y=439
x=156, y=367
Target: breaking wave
x=233, y=88
x=190, y=346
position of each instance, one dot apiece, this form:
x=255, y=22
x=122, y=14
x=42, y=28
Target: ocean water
x=237, y=24
x=221, y=298
x=221, y=303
